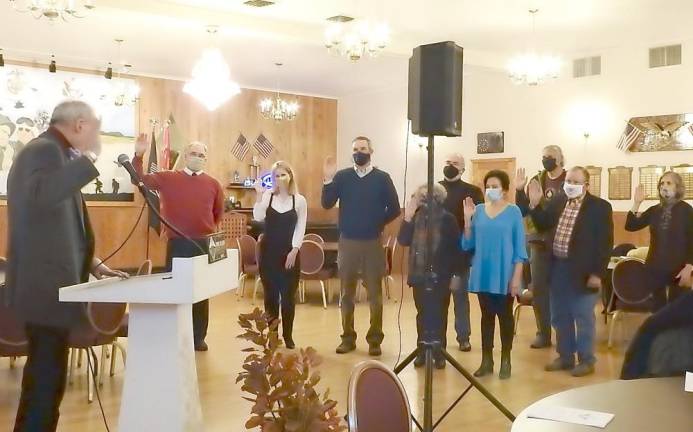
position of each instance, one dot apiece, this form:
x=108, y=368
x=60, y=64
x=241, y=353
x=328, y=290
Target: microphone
x=124, y=161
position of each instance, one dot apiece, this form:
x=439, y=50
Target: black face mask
x=549, y=163
x=361, y=159
x=450, y=171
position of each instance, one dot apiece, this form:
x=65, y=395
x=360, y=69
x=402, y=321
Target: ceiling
x=164, y=37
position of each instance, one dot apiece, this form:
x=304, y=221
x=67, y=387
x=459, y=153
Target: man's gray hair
x=194, y=143
x=439, y=192
x=558, y=150
x=71, y=110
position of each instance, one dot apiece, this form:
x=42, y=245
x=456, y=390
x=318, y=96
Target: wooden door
x=480, y=167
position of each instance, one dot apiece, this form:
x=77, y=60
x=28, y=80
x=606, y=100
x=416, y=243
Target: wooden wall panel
x=304, y=142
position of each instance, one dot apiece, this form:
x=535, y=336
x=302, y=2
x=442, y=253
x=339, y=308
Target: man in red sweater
x=193, y=202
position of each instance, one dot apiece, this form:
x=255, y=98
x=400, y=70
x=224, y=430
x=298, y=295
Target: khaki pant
x=362, y=259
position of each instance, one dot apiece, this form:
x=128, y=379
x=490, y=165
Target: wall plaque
x=620, y=183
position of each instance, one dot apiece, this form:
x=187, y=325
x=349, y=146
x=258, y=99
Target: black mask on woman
x=361, y=159
x=549, y=163
x=450, y=171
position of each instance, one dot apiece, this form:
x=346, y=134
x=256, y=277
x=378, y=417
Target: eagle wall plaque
x=663, y=133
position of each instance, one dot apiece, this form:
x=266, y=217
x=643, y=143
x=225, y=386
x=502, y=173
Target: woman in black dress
x=670, y=257
x=284, y=212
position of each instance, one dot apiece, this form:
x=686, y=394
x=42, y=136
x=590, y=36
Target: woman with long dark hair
x=284, y=212
x=669, y=260
x=494, y=231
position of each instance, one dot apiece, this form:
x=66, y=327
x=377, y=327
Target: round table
x=657, y=404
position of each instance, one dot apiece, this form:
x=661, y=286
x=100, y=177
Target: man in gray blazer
x=51, y=245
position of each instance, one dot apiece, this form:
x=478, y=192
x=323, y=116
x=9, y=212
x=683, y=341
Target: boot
x=486, y=364
x=505, y=367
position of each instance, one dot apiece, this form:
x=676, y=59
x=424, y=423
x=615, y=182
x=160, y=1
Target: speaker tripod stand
x=430, y=345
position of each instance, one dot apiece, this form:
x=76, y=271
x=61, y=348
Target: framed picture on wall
x=490, y=142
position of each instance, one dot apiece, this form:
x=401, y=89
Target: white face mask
x=493, y=194
x=195, y=164
x=573, y=190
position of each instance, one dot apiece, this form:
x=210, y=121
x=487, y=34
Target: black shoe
x=345, y=347
x=540, y=342
x=559, y=364
x=289, y=342
x=465, y=346
x=201, y=346
x=486, y=365
x=374, y=350
x=419, y=361
x=439, y=363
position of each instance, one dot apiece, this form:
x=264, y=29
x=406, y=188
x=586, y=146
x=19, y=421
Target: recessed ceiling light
x=340, y=18
x=258, y=3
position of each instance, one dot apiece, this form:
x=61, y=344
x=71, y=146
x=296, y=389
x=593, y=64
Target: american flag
x=153, y=165
x=629, y=136
x=690, y=128
x=263, y=146
x=240, y=147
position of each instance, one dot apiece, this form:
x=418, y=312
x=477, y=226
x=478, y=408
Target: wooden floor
x=225, y=411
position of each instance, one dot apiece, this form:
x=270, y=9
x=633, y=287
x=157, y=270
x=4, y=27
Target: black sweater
x=366, y=204
x=445, y=258
x=672, y=249
x=457, y=192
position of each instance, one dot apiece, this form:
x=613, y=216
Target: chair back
x=145, y=268
x=312, y=257
x=640, y=252
x=3, y=264
x=247, y=250
x=631, y=282
x=234, y=226
x=390, y=249
x=314, y=237
x=622, y=249
x=377, y=401
x=106, y=318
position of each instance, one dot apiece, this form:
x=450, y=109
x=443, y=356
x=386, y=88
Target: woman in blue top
x=495, y=233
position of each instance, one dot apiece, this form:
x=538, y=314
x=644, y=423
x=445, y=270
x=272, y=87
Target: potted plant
x=282, y=385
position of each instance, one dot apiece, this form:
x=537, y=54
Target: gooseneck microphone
x=124, y=161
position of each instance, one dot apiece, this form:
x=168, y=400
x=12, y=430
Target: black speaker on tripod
x=435, y=90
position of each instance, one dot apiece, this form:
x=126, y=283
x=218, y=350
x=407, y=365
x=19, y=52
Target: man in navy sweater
x=367, y=202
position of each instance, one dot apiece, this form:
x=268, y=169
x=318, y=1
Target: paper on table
x=689, y=382
x=571, y=415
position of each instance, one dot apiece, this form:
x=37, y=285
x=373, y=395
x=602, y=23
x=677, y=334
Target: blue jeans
x=572, y=314
x=461, y=299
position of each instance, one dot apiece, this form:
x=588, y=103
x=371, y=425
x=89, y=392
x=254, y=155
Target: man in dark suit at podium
x=51, y=245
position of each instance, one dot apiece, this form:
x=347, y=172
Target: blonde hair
x=293, y=184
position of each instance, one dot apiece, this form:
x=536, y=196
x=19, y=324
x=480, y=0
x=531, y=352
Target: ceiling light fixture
x=355, y=39
x=210, y=83
x=531, y=68
x=277, y=108
x=120, y=92
x=54, y=9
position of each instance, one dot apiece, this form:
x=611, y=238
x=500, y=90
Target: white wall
x=555, y=113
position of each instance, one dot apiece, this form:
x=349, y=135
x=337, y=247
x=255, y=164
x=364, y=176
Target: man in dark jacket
x=51, y=245
x=580, y=239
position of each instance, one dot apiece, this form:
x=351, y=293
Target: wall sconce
x=109, y=72
x=2, y=59
x=52, y=68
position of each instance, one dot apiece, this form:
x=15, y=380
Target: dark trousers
x=492, y=306
x=182, y=248
x=539, y=263
x=432, y=313
x=280, y=289
x=44, y=380
x=665, y=288
x=675, y=315
x=461, y=300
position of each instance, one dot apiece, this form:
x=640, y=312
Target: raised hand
x=520, y=179
x=469, y=209
x=535, y=193
x=259, y=188
x=141, y=144
x=329, y=168
x=639, y=194
x=411, y=207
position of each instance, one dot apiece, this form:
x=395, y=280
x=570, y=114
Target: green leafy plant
x=282, y=385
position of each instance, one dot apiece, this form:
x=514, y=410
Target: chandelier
x=210, y=83
x=54, y=9
x=276, y=108
x=531, y=68
x=354, y=40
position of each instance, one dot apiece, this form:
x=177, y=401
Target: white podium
x=160, y=391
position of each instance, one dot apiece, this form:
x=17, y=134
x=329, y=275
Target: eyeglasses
x=23, y=129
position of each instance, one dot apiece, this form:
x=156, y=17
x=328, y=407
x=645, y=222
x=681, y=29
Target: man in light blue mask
x=581, y=236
